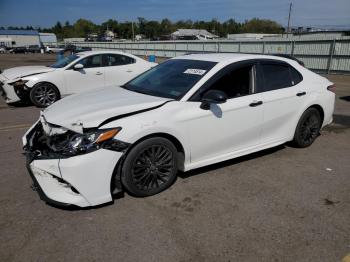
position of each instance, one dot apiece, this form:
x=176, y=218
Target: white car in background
x=77, y=73
x=186, y=113
x=53, y=49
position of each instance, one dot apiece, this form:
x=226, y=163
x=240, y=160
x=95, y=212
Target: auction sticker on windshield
x=193, y=71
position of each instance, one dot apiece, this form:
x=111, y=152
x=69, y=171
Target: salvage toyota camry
x=187, y=112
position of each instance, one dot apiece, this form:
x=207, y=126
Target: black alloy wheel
x=150, y=167
x=308, y=128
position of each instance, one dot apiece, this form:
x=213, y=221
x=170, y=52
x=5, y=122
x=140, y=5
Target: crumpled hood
x=90, y=109
x=22, y=71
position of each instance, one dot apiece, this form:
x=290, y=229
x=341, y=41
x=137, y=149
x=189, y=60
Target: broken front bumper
x=82, y=180
x=7, y=91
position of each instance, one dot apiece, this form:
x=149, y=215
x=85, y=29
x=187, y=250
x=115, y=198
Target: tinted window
x=65, y=61
x=91, y=61
x=276, y=76
x=171, y=79
x=235, y=83
x=116, y=60
x=296, y=77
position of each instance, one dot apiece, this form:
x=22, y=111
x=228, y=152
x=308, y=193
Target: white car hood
x=22, y=71
x=90, y=109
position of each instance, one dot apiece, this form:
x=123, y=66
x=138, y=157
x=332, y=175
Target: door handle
x=129, y=71
x=301, y=93
x=256, y=103
x=98, y=73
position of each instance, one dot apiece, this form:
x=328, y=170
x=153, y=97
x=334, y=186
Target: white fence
x=332, y=56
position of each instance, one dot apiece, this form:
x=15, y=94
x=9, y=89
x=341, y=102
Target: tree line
x=157, y=29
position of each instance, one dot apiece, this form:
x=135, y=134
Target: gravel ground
x=282, y=204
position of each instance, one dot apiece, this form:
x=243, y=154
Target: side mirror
x=78, y=67
x=213, y=97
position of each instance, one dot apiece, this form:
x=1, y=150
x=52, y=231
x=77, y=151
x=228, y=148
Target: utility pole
x=290, y=11
x=133, y=32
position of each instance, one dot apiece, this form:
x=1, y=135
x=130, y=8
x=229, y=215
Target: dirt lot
x=283, y=204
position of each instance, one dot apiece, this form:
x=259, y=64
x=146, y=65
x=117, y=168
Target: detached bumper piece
x=51, y=188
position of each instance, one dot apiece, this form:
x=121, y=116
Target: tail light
x=331, y=88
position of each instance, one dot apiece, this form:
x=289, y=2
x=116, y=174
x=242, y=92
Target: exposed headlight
x=19, y=83
x=84, y=143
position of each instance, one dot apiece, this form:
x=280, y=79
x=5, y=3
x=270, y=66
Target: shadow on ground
x=230, y=162
x=346, y=98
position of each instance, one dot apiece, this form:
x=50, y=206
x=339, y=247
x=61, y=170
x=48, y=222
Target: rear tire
x=308, y=128
x=150, y=167
x=44, y=94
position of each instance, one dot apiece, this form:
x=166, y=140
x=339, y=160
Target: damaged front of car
x=15, y=82
x=73, y=151
x=70, y=168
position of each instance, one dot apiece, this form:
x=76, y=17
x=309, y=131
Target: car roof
x=85, y=53
x=229, y=57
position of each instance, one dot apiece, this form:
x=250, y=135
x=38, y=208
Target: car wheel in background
x=308, y=128
x=44, y=94
x=150, y=167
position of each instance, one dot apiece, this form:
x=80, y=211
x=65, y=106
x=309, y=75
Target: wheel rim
x=44, y=95
x=310, y=129
x=153, y=167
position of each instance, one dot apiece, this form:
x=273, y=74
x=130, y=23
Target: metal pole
x=330, y=58
x=290, y=11
x=133, y=32
x=263, y=51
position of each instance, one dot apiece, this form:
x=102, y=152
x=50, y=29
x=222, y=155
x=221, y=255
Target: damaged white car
x=77, y=73
x=188, y=112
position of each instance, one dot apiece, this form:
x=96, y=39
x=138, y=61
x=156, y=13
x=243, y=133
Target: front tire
x=308, y=128
x=44, y=94
x=150, y=167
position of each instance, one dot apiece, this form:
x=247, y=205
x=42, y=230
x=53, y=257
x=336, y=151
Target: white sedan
x=77, y=73
x=186, y=113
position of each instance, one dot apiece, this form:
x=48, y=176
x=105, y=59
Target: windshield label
x=193, y=71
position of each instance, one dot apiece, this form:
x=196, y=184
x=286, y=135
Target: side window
x=296, y=76
x=276, y=76
x=236, y=82
x=91, y=61
x=116, y=60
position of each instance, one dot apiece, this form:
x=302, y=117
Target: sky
x=45, y=13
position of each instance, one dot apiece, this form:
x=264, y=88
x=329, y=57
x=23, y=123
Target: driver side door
x=230, y=128
x=87, y=78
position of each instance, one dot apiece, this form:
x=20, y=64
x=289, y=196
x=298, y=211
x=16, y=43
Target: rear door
x=119, y=69
x=91, y=76
x=283, y=94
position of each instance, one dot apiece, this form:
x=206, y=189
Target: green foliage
x=155, y=29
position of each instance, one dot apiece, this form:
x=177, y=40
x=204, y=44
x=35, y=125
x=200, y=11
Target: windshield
x=65, y=61
x=171, y=79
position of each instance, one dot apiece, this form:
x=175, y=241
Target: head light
x=83, y=143
x=19, y=83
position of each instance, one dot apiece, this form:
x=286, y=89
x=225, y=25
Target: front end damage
x=70, y=168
